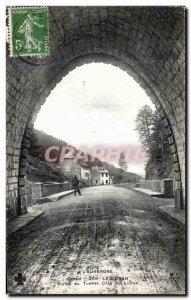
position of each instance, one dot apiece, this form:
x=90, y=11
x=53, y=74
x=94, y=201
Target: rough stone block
x=21, y=181
x=171, y=140
x=176, y=167
x=22, y=171
x=167, y=186
x=178, y=185
x=177, y=176
x=179, y=202
x=173, y=149
x=175, y=157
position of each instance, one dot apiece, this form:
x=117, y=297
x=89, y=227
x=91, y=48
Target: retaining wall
x=43, y=189
x=164, y=186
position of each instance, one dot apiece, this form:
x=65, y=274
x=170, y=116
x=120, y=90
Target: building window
x=96, y=181
x=106, y=181
x=102, y=174
x=106, y=174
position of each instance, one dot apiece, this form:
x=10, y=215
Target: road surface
x=111, y=240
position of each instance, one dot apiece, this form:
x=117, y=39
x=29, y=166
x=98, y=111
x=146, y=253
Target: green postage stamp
x=28, y=31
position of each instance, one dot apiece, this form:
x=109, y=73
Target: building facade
x=70, y=167
x=100, y=176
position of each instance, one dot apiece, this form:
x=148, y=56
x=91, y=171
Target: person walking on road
x=75, y=183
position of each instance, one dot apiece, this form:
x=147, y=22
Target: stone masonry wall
x=146, y=42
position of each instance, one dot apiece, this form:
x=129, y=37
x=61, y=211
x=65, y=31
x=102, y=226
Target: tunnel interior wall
x=147, y=42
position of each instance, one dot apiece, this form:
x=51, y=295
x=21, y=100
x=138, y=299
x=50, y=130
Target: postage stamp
x=28, y=31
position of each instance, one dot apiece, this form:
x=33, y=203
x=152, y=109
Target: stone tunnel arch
x=148, y=43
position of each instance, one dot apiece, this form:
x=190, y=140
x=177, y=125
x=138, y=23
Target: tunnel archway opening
x=96, y=104
x=139, y=77
x=147, y=42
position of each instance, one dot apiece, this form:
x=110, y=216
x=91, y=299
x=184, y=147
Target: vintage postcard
x=95, y=111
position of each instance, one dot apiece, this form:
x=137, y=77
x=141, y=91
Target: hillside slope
x=38, y=170
x=120, y=177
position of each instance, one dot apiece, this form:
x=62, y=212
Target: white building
x=100, y=176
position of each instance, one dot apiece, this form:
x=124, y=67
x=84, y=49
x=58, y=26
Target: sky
x=96, y=105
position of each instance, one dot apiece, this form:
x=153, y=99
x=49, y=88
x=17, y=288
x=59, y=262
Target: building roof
x=102, y=170
x=81, y=162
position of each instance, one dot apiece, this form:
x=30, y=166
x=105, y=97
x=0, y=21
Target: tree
x=159, y=137
x=122, y=162
x=144, y=126
x=154, y=138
